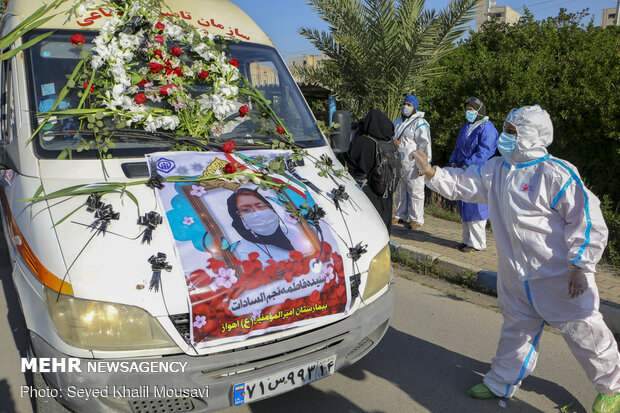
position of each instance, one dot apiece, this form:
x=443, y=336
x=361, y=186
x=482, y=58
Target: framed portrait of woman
x=245, y=219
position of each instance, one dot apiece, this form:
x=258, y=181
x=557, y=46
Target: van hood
x=114, y=266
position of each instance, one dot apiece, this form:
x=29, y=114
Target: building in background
x=304, y=60
x=486, y=9
x=609, y=17
x=263, y=75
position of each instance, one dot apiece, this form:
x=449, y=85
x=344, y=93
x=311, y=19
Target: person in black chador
x=375, y=130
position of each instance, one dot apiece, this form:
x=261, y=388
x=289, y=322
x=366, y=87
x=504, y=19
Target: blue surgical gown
x=474, y=148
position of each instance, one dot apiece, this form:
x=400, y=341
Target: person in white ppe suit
x=411, y=132
x=550, y=234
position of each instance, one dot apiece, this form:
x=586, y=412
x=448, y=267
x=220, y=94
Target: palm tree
x=380, y=50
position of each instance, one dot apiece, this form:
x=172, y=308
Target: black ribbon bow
x=314, y=214
x=329, y=162
x=93, y=203
x=150, y=220
x=156, y=180
x=158, y=263
x=355, y=253
x=339, y=194
x=103, y=213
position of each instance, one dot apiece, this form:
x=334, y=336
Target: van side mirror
x=340, y=139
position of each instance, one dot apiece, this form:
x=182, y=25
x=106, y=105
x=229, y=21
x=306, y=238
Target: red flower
x=155, y=67
x=140, y=98
x=176, y=51
x=228, y=147
x=296, y=255
x=165, y=90
x=169, y=71
x=280, y=130
x=143, y=82
x=253, y=255
x=159, y=39
x=203, y=74
x=92, y=87
x=234, y=62
x=78, y=39
x=158, y=53
x=314, y=297
x=230, y=168
x=168, y=63
x=243, y=110
x=160, y=26
x=178, y=71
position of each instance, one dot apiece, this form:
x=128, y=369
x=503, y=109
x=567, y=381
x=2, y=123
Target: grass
x=440, y=207
x=433, y=268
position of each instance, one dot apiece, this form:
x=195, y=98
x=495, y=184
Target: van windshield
x=51, y=61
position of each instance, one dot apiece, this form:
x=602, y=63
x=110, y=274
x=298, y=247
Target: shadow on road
x=400, y=358
x=16, y=324
x=432, y=376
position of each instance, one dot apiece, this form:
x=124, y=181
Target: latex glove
x=421, y=161
x=577, y=281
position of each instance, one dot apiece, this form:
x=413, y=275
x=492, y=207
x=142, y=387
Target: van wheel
x=45, y=404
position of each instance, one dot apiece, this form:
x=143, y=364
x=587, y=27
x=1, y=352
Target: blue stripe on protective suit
x=527, y=359
x=561, y=193
x=586, y=207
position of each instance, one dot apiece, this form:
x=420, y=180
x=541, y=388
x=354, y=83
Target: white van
x=122, y=323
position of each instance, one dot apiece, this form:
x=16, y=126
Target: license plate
x=283, y=381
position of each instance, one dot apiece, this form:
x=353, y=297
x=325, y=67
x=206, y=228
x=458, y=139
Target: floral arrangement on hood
x=151, y=70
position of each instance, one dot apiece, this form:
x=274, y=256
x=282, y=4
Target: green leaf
x=24, y=46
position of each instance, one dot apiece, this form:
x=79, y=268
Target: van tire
x=45, y=404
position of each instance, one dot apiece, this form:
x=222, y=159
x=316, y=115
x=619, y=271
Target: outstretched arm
x=453, y=183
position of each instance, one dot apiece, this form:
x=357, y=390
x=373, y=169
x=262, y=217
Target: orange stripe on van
x=43, y=274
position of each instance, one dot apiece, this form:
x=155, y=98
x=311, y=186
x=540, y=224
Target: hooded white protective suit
x=544, y=220
x=414, y=133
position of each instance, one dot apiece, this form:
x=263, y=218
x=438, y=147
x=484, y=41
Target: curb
x=486, y=279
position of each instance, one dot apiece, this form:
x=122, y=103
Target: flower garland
x=156, y=72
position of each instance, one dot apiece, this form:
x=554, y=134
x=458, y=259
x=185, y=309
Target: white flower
x=170, y=122
x=85, y=6
x=151, y=124
x=173, y=31
x=117, y=91
x=229, y=90
x=127, y=41
x=109, y=27
x=220, y=106
x=96, y=62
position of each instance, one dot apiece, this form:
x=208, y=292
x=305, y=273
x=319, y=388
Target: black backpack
x=385, y=176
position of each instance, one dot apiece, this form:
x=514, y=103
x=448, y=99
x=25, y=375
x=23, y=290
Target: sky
x=281, y=19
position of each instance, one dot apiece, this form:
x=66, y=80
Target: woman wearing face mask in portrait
x=255, y=219
x=476, y=143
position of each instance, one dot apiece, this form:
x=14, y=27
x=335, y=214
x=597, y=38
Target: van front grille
x=168, y=405
x=181, y=323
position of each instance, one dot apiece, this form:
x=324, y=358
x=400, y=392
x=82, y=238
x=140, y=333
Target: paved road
x=437, y=347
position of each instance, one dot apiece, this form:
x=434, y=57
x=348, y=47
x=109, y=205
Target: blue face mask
x=506, y=144
x=471, y=115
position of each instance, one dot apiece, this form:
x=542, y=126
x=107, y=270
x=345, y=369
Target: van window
x=52, y=60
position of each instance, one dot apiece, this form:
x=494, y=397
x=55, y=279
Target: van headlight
x=98, y=325
x=379, y=273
